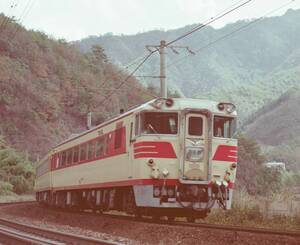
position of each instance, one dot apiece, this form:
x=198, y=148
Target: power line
x=233, y=32
x=127, y=78
x=207, y=23
x=23, y=15
x=175, y=40
x=6, y=19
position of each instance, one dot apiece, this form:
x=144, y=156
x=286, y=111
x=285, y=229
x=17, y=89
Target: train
x=173, y=157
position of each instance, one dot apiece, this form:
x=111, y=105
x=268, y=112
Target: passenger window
x=118, y=138
x=100, y=147
x=75, y=154
x=83, y=152
x=137, y=122
x=195, y=126
x=69, y=156
x=63, y=158
x=90, y=150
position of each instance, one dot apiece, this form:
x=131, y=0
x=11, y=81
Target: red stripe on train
x=226, y=153
x=156, y=149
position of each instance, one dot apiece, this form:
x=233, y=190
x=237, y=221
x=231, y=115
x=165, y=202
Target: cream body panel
x=220, y=167
x=43, y=182
x=141, y=168
x=106, y=170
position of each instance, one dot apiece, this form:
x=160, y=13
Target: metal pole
x=89, y=120
x=163, y=83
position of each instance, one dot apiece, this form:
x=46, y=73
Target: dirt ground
x=133, y=232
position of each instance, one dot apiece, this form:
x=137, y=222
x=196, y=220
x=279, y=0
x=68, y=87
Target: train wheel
x=190, y=219
x=171, y=219
x=155, y=217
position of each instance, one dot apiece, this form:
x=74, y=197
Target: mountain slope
x=249, y=68
x=48, y=86
x=276, y=126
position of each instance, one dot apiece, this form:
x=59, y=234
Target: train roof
x=161, y=104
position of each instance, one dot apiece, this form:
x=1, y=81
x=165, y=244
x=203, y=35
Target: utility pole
x=162, y=53
x=163, y=83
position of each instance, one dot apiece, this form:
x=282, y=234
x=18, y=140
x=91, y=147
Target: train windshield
x=224, y=127
x=159, y=123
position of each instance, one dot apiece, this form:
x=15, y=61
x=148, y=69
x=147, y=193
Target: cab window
x=195, y=126
x=159, y=123
x=224, y=127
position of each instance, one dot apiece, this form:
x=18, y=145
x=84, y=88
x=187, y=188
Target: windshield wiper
x=153, y=129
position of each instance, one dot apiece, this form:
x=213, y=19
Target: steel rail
x=53, y=237
x=16, y=203
x=234, y=228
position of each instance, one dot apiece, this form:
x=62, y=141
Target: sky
x=77, y=19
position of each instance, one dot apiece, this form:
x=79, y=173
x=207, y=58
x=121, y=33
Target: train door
x=195, y=162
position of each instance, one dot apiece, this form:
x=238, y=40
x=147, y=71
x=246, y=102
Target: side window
x=224, y=127
x=137, y=123
x=118, y=138
x=91, y=150
x=101, y=146
x=76, y=154
x=58, y=160
x=69, y=156
x=64, y=158
x=195, y=126
x=83, y=152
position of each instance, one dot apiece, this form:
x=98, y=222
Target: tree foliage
x=48, y=86
x=16, y=173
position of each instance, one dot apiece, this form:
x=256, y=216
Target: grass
x=250, y=211
x=16, y=198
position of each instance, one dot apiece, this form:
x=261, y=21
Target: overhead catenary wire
x=128, y=77
x=232, y=32
x=23, y=15
x=6, y=19
x=219, y=16
x=207, y=23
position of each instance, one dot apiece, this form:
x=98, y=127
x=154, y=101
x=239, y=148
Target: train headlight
x=225, y=183
x=194, y=154
x=229, y=107
x=165, y=172
x=218, y=182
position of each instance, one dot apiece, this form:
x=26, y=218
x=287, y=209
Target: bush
x=16, y=173
x=5, y=188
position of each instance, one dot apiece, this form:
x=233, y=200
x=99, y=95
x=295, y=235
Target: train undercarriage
x=190, y=201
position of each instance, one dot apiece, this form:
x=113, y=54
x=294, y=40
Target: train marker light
x=221, y=106
x=150, y=162
x=169, y=102
x=156, y=191
x=171, y=192
x=233, y=166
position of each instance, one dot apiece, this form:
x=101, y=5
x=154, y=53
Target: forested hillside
x=250, y=68
x=276, y=126
x=48, y=87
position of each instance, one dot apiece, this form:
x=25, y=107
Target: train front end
x=188, y=150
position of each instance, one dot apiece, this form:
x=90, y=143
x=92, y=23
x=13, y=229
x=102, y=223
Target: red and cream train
x=167, y=157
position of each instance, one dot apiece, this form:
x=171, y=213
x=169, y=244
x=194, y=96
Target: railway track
x=16, y=203
x=235, y=229
x=17, y=233
x=232, y=228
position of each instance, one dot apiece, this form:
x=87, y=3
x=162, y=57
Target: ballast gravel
x=132, y=232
